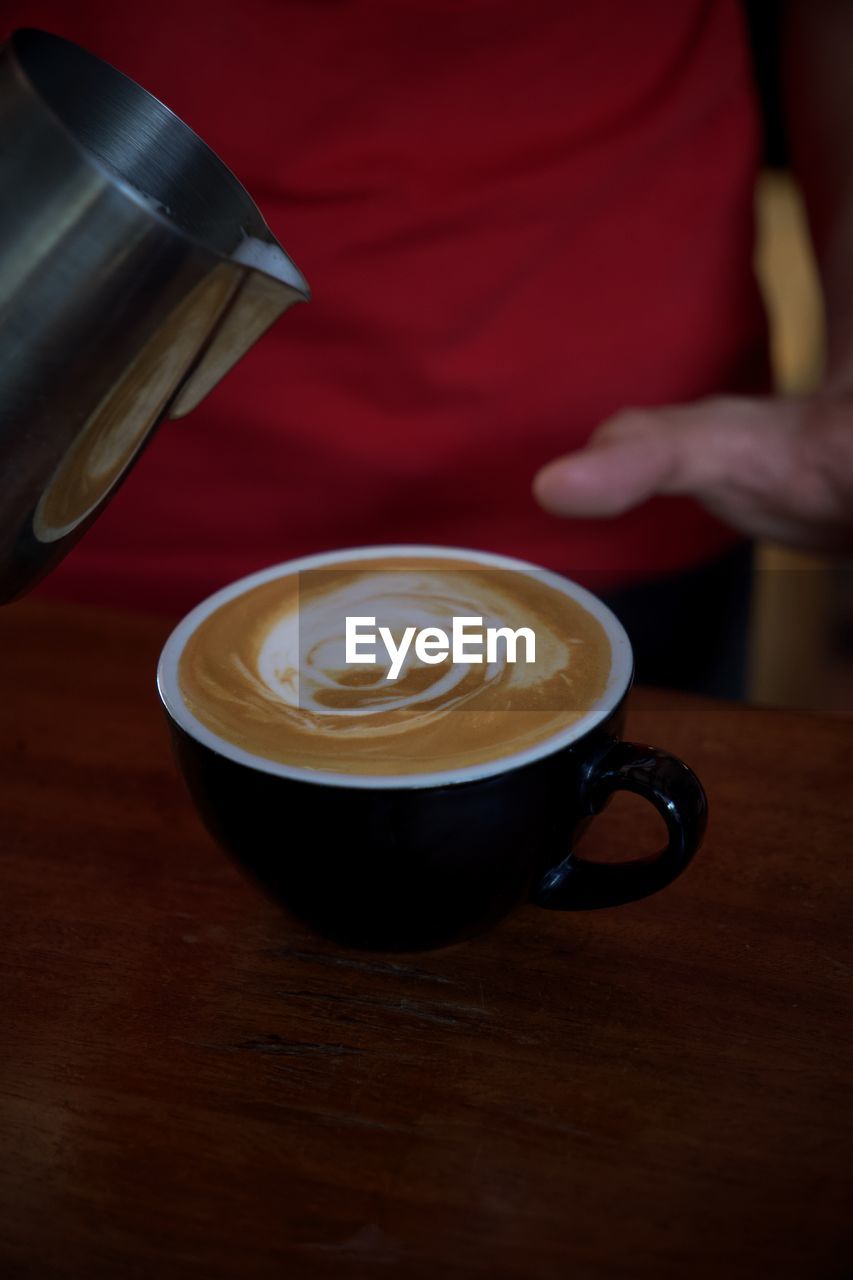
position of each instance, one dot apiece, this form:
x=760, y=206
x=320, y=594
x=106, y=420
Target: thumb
x=639, y=453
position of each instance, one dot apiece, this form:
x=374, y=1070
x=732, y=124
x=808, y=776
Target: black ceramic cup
x=423, y=860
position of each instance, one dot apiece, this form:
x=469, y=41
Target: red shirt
x=515, y=219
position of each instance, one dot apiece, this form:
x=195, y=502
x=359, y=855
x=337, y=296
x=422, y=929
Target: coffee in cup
x=393, y=789
x=267, y=671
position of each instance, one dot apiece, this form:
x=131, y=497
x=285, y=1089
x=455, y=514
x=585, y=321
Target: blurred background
x=801, y=651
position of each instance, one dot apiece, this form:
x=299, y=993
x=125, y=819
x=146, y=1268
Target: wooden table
x=193, y=1086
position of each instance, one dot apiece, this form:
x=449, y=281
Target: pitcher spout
x=266, y=284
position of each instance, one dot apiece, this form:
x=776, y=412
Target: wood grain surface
x=193, y=1086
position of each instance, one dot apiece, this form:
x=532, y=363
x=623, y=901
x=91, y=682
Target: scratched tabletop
x=192, y=1085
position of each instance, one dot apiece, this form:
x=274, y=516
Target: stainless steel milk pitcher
x=135, y=270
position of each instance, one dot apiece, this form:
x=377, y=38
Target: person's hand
x=772, y=468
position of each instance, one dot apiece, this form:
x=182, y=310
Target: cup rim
x=618, y=681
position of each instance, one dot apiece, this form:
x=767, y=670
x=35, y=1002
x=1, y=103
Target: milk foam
x=302, y=658
x=267, y=670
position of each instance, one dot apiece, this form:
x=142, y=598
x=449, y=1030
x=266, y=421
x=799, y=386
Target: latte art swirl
x=268, y=669
x=303, y=659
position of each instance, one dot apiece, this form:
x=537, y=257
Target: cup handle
x=576, y=884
